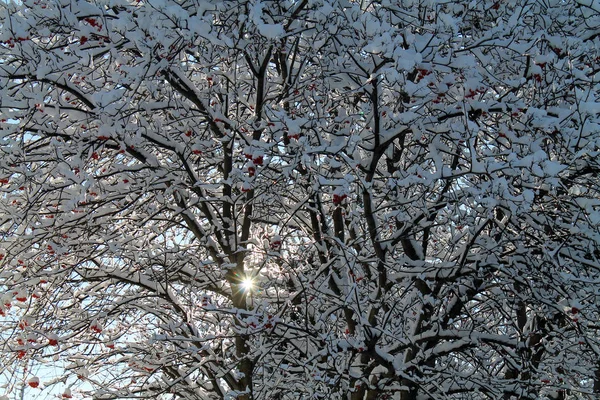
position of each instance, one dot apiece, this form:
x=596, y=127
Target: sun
x=247, y=284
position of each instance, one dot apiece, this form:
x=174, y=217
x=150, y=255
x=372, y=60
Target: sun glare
x=247, y=284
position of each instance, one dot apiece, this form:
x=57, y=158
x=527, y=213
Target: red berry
x=337, y=199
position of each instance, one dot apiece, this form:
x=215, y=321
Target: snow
x=423, y=192
x=271, y=31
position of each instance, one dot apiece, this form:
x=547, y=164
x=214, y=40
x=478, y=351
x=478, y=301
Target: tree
x=301, y=199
